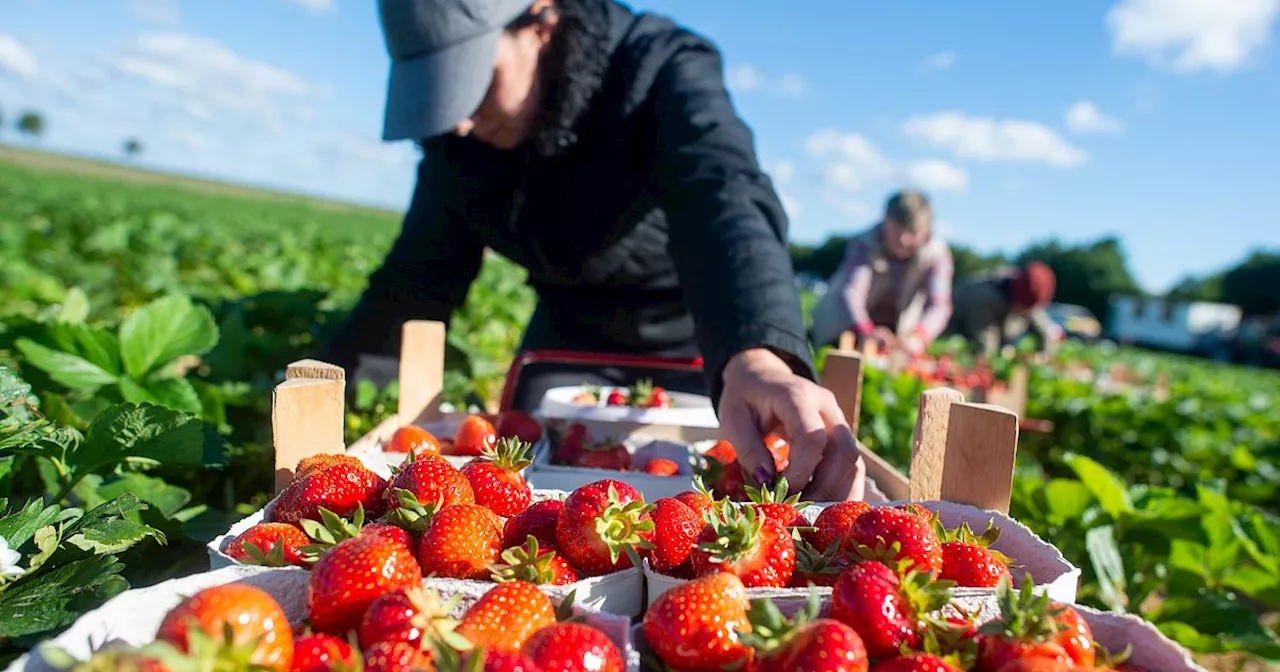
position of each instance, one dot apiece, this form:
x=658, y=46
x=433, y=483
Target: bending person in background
x=894, y=286
x=598, y=148
x=994, y=308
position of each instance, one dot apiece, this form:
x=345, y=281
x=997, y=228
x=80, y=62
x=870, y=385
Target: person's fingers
x=740, y=425
x=801, y=413
x=842, y=474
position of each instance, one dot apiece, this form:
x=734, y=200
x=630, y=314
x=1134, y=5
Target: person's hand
x=885, y=337
x=762, y=394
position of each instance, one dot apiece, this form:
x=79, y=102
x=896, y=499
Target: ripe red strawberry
x=422, y=487
x=345, y=580
x=412, y=439
x=676, y=526
x=780, y=449
x=1074, y=635
x=603, y=526
x=695, y=625
x=270, y=544
x=570, y=445
x=659, y=398
x=875, y=533
x=461, y=542
x=539, y=520
x=756, y=549
x=474, y=435
x=341, y=488
x=399, y=535
x=573, y=647
x=396, y=657
x=589, y=396
x=416, y=616
x=235, y=620
x=817, y=568
x=321, y=462
x=661, y=466
x=520, y=425
x=534, y=564
x=333, y=530
x=916, y=662
x=777, y=505
x=885, y=609
x=1028, y=627
x=699, y=498
x=968, y=560
x=616, y=398
x=484, y=660
x=505, y=617
x=611, y=455
x=722, y=473
x=912, y=507
x=834, y=523
x=495, y=477
x=805, y=642
x=322, y=653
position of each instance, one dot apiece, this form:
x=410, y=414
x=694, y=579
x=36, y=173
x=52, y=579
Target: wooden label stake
x=306, y=419
x=842, y=375
x=929, y=443
x=982, y=442
x=314, y=368
x=422, y=346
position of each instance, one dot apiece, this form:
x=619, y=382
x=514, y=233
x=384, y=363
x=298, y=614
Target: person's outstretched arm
x=858, y=261
x=937, y=307
x=728, y=237
x=427, y=272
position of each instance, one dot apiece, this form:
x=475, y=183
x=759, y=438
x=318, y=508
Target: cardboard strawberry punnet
x=135, y=617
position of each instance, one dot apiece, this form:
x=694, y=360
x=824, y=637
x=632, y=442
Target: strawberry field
x=142, y=328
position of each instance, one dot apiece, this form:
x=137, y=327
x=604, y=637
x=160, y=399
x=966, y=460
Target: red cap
x=1033, y=285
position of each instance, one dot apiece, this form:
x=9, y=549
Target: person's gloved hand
x=762, y=393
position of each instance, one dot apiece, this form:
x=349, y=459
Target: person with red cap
x=994, y=308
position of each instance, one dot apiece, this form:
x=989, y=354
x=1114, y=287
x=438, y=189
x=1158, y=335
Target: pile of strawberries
x=577, y=447
x=643, y=394
x=405, y=628
x=475, y=433
x=879, y=618
x=720, y=470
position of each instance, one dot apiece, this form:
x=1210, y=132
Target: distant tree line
x=1089, y=273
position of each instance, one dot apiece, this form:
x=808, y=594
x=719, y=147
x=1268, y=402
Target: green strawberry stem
x=509, y=453
x=332, y=530
x=1023, y=614
x=775, y=495
x=621, y=527
x=412, y=515
x=736, y=530
x=770, y=629
x=525, y=563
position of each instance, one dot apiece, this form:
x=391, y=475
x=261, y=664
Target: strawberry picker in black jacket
x=598, y=148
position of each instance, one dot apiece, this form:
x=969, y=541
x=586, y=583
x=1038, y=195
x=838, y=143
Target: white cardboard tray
x=688, y=410
x=133, y=617
x=617, y=593
x=1054, y=574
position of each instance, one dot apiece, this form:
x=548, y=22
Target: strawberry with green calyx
x=919, y=510
x=817, y=568
x=339, y=484
x=946, y=648
x=351, y=575
x=270, y=544
x=804, y=642
x=755, y=548
x=589, y=395
x=396, y=657
x=482, y=660
x=495, y=477
x=774, y=503
x=610, y=455
x=676, y=528
x=834, y=523
x=1027, y=627
x=569, y=444
x=538, y=520
x=416, y=615
x=697, y=625
x=969, y=560
x=892, y=535
x=886, y=606
x=329, y=531
x=529, y=563
x=640, y=394
x=699, y=498
x=506, y=616
x=153, y=657
x=603, y=527
x=324, y=653
x=569, y=646
x=234, y=623
x=461, y=542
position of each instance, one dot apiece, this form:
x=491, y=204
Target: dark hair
x=573, y=68
x=908, y=208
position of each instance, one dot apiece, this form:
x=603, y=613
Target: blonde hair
x=909, y=209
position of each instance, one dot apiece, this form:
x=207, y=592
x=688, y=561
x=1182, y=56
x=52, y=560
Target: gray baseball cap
x=442, y=57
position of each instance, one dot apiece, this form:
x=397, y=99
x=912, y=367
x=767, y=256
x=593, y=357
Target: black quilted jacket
x=639, y=210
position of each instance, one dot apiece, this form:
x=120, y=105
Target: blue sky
x=1151, y=119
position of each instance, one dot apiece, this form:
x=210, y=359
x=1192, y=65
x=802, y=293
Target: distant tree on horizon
x=132, y=147
x=31, y=123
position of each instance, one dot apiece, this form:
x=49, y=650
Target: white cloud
x=849, y=207
x=989, y=139
x=935, y=175
x=163, y=12
x=850, y=162
x=206, y=80
x=746, y=78
x=1085, y=117
x=1192, y=35
x=316, y=5
x=943, y=60
x=16, y=58
x=782, y=172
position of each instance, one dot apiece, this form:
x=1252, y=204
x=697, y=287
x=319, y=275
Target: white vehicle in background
x=1181, y=326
